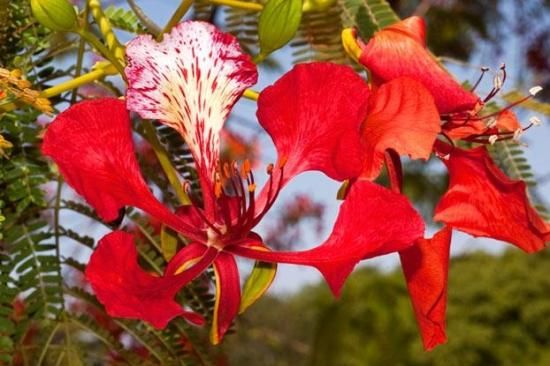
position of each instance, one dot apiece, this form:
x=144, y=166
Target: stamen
x=517, y=134
x=535, y=90
x=493, y=139
x=535, y=121
x=271, y=200
x=492, y=122
x=483, y=71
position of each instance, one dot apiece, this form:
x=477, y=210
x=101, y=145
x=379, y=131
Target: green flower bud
x=58, y=15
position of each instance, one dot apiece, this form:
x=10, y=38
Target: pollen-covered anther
x=251, y=187
x=497, y=82
x=269, y=169
x=282, y=161
x=517, y=134
x=491, y=122
x=245, y=169
x=493, y=139
x=535, y=121
x=535, y=90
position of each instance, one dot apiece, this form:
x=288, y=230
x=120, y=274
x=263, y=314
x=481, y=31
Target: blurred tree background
x=498, y=314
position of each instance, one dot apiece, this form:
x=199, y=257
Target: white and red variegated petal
x=189, y=81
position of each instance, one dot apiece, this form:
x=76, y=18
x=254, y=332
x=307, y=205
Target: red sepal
x=127, y=291
x=228, y=296
x=372, y=221
x=482, y=201
x=426, y=268
x=400, y=50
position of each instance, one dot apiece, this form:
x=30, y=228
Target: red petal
x=313, y=114
x=403, y=117
x=507, y=121
x=372, y=221
x=461, y=129
x=426, y=268
x=481, y=200
x=190, y=81
x=91, y=142
x=400, y=50
x=127, y=291
x=228, y=295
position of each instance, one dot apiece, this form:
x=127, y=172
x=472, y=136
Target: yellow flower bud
x=58, y=15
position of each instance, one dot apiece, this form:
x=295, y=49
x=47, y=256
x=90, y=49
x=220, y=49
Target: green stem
x=165, y=163
x=176, y=17
x=106, y=30
x=238, y=4
x=79, y=81
x=95, y=42
x=260, y=57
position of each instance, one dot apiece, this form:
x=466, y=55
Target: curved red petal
x=399, y=50
x=228, y=295
x=313, y=114
x=372, y=221
x=403, y=117
x=482, y=201
x=127, y=291
x=189, y=81
x=91, y=142
x=426, y=268
x=507, y=121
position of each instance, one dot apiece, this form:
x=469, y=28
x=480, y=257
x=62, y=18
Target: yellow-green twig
x=176, y=17
x=251, y=94
x=79, y=81
x=238, y=4
x=162, y=156
x=106, y=30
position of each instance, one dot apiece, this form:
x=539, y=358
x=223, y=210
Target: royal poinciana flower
x=190, y=81
x=481, y=200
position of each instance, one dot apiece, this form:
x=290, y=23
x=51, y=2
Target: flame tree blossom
x=190, y=81
x=480, y=200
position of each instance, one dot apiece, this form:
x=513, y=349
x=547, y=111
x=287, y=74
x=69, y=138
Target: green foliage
x=124, y=19
x=367, y=16
x=498, y=314
x=318, y=38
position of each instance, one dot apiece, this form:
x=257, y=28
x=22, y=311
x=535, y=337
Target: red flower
x=481, y=200
x=400, y=50
x=190, y=81
x=397, y=118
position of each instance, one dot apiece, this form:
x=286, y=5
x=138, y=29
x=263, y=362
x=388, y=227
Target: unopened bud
x=58, y=15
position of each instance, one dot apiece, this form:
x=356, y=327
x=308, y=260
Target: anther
x=497, y=82
x=517, y=134
x=226, y=170
x=535, y=121
x=535, y=90
x=218, y=189
x=283, y=161
x=251, y=187
x=493, y=139
x=492, y=122
x=269, y=169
